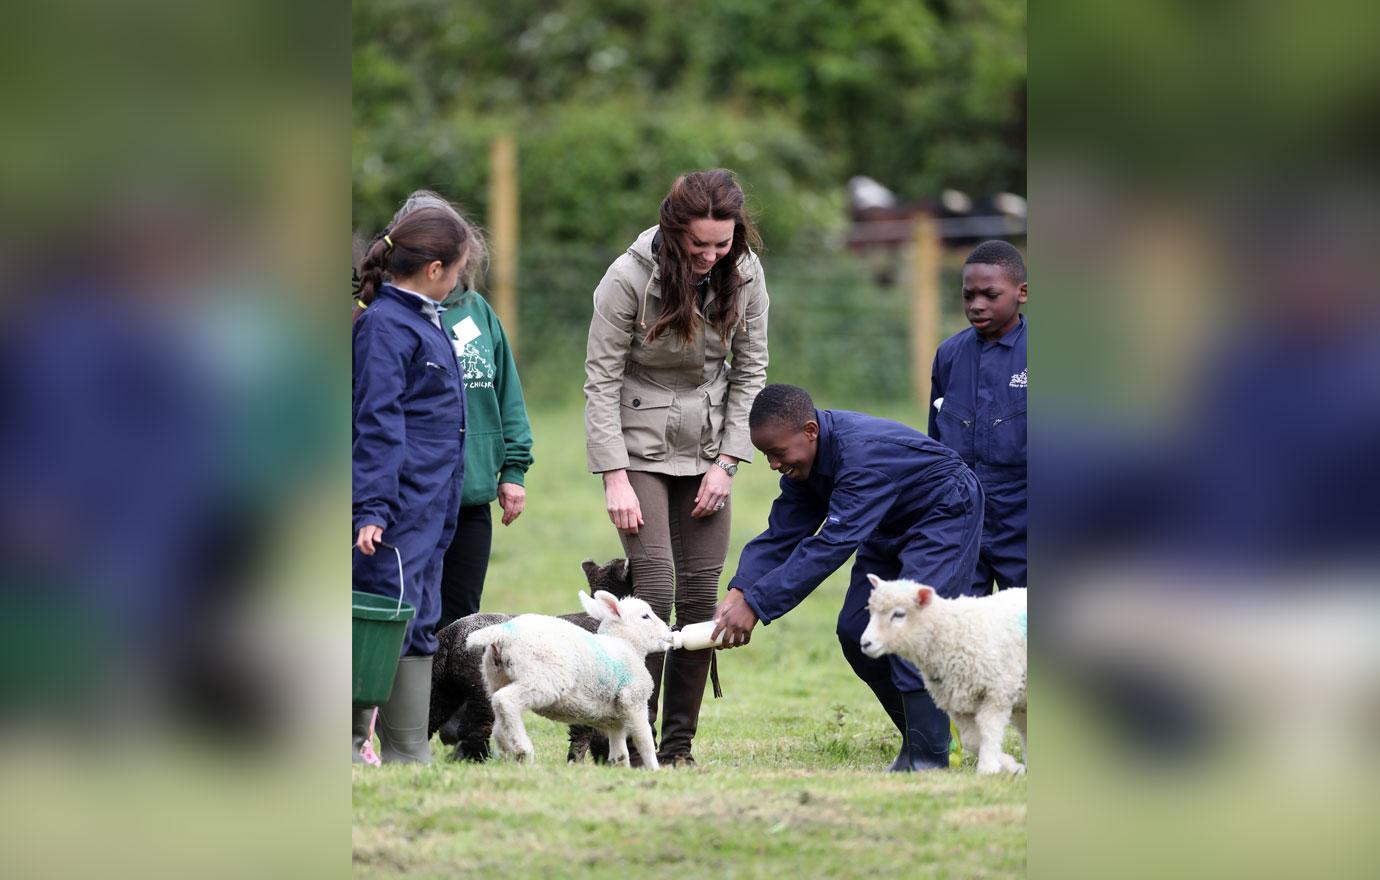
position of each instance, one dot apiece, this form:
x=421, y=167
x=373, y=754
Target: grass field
x=789, y=780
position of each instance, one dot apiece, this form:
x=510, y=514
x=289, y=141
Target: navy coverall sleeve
x=795, y=515
x=859, y=502
x=380, y=437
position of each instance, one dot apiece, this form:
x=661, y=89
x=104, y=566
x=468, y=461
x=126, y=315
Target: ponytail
x=371, y=271
x=423, y=236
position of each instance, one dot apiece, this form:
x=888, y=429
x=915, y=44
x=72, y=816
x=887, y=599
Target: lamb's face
x=891, y=609
x=638, y=623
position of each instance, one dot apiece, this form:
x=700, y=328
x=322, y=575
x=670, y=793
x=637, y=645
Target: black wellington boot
x=925, y=739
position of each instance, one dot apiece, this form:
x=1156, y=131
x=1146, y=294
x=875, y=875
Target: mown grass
x=789, y=779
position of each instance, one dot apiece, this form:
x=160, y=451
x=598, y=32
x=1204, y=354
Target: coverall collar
x=1007, y=339
x=425, y=305
x=824, y=446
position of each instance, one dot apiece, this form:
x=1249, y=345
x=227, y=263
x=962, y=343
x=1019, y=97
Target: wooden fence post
x=503, y=229
x=925, y=273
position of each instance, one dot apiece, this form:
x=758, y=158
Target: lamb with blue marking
x=970, y=652
x=558, y=670
x=460, y=711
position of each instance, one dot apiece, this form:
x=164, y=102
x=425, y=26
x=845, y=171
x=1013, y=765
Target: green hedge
x=596, y=174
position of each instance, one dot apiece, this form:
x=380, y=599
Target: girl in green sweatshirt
x=498, y=447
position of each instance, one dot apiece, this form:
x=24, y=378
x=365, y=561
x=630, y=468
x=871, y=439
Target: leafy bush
x=596, y=174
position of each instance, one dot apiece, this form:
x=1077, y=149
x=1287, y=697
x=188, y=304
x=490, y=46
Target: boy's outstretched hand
x=735, y=619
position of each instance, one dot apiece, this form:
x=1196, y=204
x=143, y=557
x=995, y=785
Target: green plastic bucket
x=379, y=624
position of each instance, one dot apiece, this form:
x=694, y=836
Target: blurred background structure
x=175, y=452
x=1203, y=443
x=847, y=123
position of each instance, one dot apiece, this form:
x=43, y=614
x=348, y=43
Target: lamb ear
x=876, y=581
x=610, y=602
x=592, y=608
x=923, y=596
x=589, y=568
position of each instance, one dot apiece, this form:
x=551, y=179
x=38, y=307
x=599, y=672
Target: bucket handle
x=401, y=586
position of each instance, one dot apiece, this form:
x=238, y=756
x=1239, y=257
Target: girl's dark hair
x=476, y=249
x=699, y=195
x=424, y=235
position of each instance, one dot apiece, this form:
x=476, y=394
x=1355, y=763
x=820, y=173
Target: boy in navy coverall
x=905, y=504
x=977, y=405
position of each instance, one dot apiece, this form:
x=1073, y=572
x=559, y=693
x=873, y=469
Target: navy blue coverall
x=907, y=505
x=409, y=433
x=982, y=418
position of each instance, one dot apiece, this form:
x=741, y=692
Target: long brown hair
x=700, y=195
x=424, y=235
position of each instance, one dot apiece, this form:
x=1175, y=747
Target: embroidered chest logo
x=479, y=370
x=1018, y=380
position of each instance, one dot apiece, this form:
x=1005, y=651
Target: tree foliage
x=610, y=99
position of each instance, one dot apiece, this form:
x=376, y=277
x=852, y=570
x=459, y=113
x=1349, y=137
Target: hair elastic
x=386, y=240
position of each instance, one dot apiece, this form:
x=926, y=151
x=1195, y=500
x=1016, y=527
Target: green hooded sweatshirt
x=498, y=437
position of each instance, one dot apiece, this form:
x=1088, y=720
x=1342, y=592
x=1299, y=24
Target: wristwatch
x=730, y=469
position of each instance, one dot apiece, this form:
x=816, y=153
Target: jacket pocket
x=645, y=413
x=715, y=414
x=957, y=431
x=428, y=378
x=1006, y=439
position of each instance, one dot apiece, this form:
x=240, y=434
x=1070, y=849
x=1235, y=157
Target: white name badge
x=466, y=331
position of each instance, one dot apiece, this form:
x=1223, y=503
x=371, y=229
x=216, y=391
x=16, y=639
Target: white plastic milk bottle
x=696, y=637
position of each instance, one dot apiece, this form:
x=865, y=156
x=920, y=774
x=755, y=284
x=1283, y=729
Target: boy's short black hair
x=996, y=252
x=787, y=404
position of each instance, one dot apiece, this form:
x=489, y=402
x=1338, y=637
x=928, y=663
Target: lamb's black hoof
x=471, y=753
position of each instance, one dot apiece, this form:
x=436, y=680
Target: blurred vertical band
x=174, y=223
x=1203, y=449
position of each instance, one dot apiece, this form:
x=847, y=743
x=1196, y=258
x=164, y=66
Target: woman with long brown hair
x=677, y=351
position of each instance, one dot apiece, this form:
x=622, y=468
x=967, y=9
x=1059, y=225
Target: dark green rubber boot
x=403, y=719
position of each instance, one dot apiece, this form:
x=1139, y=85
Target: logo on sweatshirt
x=1018, y=380
x=479, y=370
x=474, y=354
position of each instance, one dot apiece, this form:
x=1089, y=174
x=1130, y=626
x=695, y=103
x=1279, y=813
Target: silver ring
x=719, y=506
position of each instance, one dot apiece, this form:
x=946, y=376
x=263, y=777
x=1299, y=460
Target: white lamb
x=970, y=652
x=562, y=672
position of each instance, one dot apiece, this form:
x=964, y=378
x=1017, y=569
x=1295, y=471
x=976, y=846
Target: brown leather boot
x=686, y=672
x=655, y=663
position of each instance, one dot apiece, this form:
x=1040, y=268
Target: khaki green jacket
x=668, y=406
